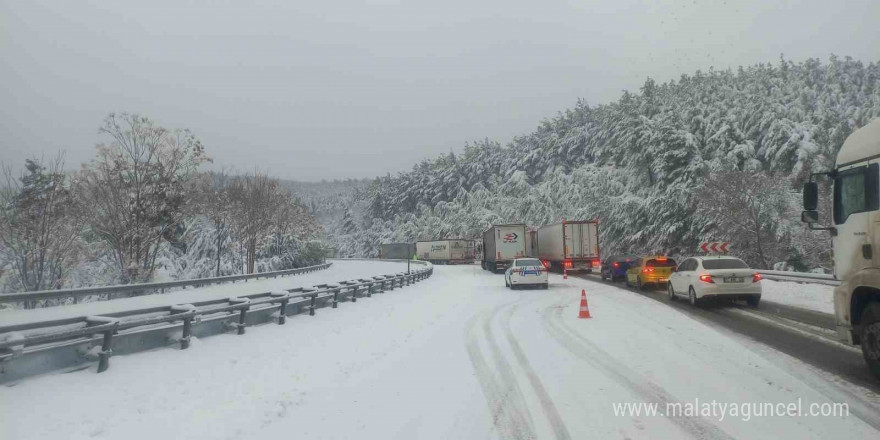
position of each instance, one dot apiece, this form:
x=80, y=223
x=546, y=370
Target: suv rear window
x=528, y=263
x=669, y=262
x=725, y=263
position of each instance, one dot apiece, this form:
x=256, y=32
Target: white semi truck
x=855, y=236
x=570, y=246
x=456, y=251
x=501, y=245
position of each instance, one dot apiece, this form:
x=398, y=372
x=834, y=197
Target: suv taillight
x=647, y=269
x=616, y=264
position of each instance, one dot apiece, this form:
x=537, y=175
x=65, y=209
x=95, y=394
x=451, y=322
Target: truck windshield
x=528, y=262
x=855, y=191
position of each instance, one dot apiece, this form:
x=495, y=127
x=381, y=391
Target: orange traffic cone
x=564, y=274
x=585, y=309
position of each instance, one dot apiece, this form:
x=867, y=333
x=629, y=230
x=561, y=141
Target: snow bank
x=818, y=297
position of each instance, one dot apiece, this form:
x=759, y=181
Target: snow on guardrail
x=52, y=345
x=801, y=277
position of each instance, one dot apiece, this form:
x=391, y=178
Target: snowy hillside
x=638, y=164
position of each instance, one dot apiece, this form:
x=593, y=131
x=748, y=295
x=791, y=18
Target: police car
x=526, y=272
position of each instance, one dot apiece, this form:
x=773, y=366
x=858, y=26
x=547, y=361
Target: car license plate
x=733, y=280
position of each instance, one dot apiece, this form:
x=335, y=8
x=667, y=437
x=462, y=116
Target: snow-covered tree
x=40, y=226
x=136, y=189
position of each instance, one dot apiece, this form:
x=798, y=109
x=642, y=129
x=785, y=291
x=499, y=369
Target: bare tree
x=39, y=225
x=215, y=203
x=135, y=189
x=292, y=226
x=254, y=200
x=744, y=208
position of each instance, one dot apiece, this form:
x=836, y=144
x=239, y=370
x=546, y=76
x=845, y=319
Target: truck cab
x=855, y=232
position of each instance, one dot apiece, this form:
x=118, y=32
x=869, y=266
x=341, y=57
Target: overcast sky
x=338, y=88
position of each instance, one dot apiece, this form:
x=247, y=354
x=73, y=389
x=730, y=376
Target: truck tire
x=870, y=337
x=603, y=276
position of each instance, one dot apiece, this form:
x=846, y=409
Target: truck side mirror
x=810, y=216
x=811, y=197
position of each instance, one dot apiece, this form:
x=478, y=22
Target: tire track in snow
x=623, y=375
x=559, y=428
x=506, y=406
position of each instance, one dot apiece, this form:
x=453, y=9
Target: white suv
x=718, y=276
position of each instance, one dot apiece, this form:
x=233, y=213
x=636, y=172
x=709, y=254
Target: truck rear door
x=580, y=240
x=510, y=242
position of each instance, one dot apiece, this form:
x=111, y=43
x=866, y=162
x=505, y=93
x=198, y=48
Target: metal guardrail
x=40, y=347
x=147, y=287
x=801, y=277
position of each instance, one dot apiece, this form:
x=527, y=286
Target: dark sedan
x=614, y=267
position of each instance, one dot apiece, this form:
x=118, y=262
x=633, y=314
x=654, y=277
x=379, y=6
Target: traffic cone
x=564, y=274
x=585, y=309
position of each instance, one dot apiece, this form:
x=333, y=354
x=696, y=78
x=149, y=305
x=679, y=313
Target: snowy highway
x=455, y=356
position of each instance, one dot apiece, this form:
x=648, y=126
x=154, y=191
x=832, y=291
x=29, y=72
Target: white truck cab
x=855, y=233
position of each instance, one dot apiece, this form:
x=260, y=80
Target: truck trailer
x=570, y=246
x=453, y=251
x=855, y=238
x=501, y=245
x=397, y=251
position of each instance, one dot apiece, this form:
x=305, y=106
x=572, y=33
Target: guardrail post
x=369, y=285
x=381, y=284
x=106, y=352
x=392, y=282
x=242, y=313
x=313, y=304
x=107, y=341
x=354, y=293
x=187, y=323
x=336, y=297
x=282, y=310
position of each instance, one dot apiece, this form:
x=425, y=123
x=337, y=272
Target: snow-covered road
x=455, y=356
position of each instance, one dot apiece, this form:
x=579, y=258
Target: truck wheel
x=870, y=337
x=603, y=276
x=753, y=300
